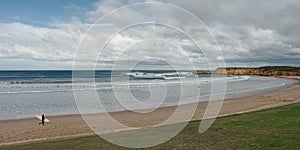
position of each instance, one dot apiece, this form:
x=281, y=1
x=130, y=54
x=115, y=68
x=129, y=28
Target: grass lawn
x=277, y=128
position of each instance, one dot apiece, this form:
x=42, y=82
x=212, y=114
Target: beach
x=28, y=130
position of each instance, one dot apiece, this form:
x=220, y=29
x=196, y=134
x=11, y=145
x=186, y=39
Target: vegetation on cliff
x=282, y=68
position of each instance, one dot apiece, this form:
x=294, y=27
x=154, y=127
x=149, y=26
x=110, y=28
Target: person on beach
x=43, y=120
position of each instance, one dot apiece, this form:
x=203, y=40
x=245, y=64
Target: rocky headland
x=263, y=71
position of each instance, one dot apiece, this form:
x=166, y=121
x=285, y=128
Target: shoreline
x=205, y=98
x=28, y=130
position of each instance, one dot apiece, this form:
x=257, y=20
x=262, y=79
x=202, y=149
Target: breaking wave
x=18, y=87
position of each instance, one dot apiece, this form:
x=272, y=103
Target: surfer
x=43, y=120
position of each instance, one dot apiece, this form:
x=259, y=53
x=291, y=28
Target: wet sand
x=28, y=130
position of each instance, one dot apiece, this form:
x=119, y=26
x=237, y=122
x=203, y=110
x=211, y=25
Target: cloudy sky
x=39, y=35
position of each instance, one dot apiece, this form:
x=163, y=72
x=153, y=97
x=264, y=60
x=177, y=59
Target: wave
x=52, y=88
x=159, y=76
x=172, y=78
x=230, y=79
x=178, y=73
x=44, y=82
x=164, y=76
x=55, y=80
x=34, y=82
x=23, y=77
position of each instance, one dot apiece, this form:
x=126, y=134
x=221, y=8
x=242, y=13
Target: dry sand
x=28, y=130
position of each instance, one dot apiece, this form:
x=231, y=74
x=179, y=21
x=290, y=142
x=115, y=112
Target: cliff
x=263, y=71
x=202, y=72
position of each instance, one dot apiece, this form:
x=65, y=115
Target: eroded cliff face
x=251, y=71
x=254, y=71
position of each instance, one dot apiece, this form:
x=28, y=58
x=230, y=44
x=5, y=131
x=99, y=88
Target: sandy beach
x=28, y=130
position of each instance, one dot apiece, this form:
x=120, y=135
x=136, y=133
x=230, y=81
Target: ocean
x=23, y=94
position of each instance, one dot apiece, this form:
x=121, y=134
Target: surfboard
x=40, y=118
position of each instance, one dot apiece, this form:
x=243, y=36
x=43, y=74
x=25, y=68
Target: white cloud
x=24, y=41
x=247, y=33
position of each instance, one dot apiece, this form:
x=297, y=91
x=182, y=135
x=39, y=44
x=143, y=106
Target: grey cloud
x=248, y=32
x=266, y=31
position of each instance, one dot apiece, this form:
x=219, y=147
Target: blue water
x=27, y=93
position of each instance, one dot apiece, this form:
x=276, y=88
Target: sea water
x=23, y=94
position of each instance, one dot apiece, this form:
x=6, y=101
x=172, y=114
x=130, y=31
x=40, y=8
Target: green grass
x=277, y=128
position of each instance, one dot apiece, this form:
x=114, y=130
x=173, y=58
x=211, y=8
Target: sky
x=203, y=34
